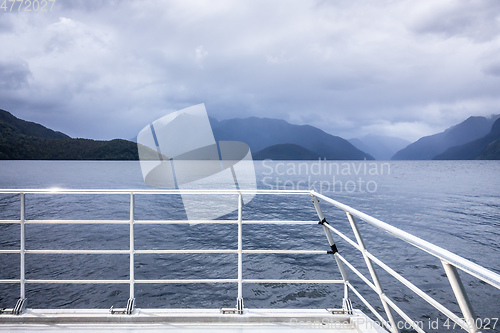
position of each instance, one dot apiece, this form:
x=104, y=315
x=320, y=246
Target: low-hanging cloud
x=14, y=74
x=476, y=20
x=103, y=69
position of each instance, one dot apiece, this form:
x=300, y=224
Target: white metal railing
x=132, y=251
x=449, y=260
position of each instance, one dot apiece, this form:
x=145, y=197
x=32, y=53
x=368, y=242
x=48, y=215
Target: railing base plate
x=128, y=310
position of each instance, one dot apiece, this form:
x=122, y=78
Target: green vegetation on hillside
x=286, y=151
x=23, y=140
x=491, y=152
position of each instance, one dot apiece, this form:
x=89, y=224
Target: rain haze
x=105, y=69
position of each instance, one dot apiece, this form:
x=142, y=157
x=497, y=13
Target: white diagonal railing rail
x=451, y=262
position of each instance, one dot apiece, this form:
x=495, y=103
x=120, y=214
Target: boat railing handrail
x=458, y=261
x=132, y=221
x=452, y=258
x=57, y=190
x=449, y=260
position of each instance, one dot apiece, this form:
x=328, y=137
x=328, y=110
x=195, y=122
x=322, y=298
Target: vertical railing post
x=23, y=246
x=372, y=271
x=461, y=295
x=239, y=300
x=346, y=303
x=131, y=300
x=21, y=302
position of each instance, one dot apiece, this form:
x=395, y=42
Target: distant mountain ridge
x=260, y=133
x=428, y=147
x=24, y=140
x=381, y=147
x=268, y=138
x=487, y=147
x=20, y=139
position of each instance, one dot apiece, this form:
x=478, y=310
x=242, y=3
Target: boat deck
x=193, y=320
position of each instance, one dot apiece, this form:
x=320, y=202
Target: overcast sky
x=104, y=69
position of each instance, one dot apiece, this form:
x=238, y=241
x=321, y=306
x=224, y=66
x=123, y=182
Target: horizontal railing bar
x=182, y=251
x=415, y=289
x=369, y=306
x=77, y=222
x=287, y=251
x=165, y=251
x=220, y=222
x=73, y=191
x=358, y=273
x=10, y=251
x=52, y=221
x=77, y=281
x=78, y=251
x=344, y=237
x=184, y=222
x=181, y=281
x=291, y=281
x=127, y=281
x=278, y=222
x=150, y=191
x=467, y=266
x=174, y=281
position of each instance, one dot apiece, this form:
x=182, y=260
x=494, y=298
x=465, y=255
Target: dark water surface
x=453, y=204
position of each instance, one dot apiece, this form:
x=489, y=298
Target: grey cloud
x=6, y=24
x=67, y=33
x=59, y=43
x=105, y=70
x=493, y=69
x=86, y=5
x=14, y=74
x=477, y=20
